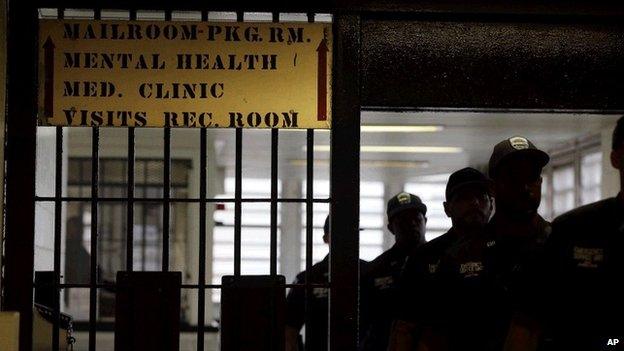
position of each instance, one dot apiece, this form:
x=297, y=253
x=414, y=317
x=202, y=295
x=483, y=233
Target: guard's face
x=518, y=186
x=617, y=158
x=408, y=226
x=470, y=207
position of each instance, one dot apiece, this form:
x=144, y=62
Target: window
x=563, y=189
x=255, y=232
x=372, y=220
x=431, y=189
x=572, y=178
x=591, y=174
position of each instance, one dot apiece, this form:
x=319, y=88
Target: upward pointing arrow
x=321, y=106
x=48, y=98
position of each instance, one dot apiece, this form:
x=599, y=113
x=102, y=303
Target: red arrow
x=321, y=107
x=48, y=98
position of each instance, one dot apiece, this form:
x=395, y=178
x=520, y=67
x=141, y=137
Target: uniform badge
x=588, y=257
x=519, y=143
x=383, y=282
x=470, y=269
x=320, y=293
x=404, y=198
x=433, y=267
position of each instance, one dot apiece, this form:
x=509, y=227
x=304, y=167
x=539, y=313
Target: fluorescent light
x=400, y=149
x=381, y=128
x=369, y=163
x=372, y=128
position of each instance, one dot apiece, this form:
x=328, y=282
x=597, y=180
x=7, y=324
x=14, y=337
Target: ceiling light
x=369, y=163
x=380, y=128
x=399, y=149
x=372, y=128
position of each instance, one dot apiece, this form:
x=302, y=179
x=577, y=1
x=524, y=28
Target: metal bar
x=58, y=207
x=130, y=203
x=166, y=197
x=273, y=241
x=166, y=188
x=344, y=184
x=238, y=170
x=183, y=286
x=274, y=168
x=201, y=294
x=240, y=17
x=22, y=52
x=202, y=240
x=577, y=11
x=309, y=243
x=95, y=145
x=177, y=200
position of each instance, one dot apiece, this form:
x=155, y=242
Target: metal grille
x=95, y=198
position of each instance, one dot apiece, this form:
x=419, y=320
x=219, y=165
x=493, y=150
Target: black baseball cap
x=515, y=146
x=467, y=177
x=403, y=201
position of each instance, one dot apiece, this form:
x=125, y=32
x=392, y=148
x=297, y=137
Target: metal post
x=93, y=281
x=20, y=157
x=345, y=185
x=202, y=240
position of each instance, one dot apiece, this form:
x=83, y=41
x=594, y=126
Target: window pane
x=591, y=176
x=431, y=189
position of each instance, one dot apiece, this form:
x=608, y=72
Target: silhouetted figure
x=406, y=221
x=586, y=256
x=469, y=204
x=77, y=259
x=494, y=273
x=317, y=330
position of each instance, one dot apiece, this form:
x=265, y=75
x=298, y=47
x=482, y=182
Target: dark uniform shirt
x=485, y=279
x=380, y=284
x=586, y=261
x=417, y=281
x=316, y=330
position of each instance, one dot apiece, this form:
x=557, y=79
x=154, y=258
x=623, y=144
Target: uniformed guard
x=469, y=204
x=317, y=330
x=406, y=221
x=586, y=256
x=487, y=282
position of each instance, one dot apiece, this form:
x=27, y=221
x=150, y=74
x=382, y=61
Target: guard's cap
x=403, y=201
x=467, y=177
x=514, y=146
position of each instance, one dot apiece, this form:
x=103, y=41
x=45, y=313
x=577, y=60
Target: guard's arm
x=432, y=340
x=292, y=338
x=402, y=336
x=523, y=335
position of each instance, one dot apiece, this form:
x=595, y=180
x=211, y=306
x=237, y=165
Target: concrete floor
x=105, y=341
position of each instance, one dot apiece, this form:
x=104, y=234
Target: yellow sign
x=184, y=74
